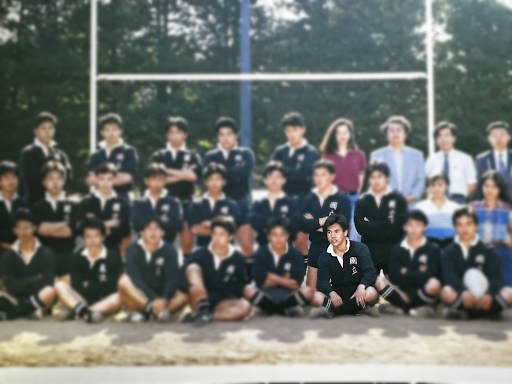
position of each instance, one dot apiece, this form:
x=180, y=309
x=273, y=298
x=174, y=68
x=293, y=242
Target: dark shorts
x=315, y=250
x=346, y=293
x=244, y=206
x=62, y=263
x=380, y=256
x=415, y=299
x=278, y=294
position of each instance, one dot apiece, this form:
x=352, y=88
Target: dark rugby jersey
x=8, y=210
x=290, y=264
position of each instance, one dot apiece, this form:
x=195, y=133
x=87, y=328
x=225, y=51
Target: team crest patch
x=103, y=277
x=160, y=261
x=333, y=205
x=354, y=270
x=120, y=157
x=116, y=207
x=224, y=210
x=238, y=158
x=353, y=260
x=67, y=209
x=57, y=156
x=186, y=158
x=287, y=266
x=300, y=157
x=103, y=268
x=480, y=259
x=423, y=259
x=284, y=209
x=231, y=269
x=165, y=208
x=392, y=204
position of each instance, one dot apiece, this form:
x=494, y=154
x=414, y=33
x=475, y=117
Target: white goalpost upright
x=428, y=75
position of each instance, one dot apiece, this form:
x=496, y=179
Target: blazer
x=485, y=161
x=413, y=172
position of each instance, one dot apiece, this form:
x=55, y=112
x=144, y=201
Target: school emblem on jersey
x=224, y=210
x=116, y=207
x=354, y=270
x=423, y=259
x=284, y=209
x=103, y=268
x=300, y=157
x=392, y=204
x=287, y=267
x=165, y=208
x=103, y=277
x=353, y=260
x=120, y=157
x=67, y=208
x=186, y=158
x=230, y=270
x=159, y=261
x=333, y=205
x=238, y=158
x=57, y=156
x=479, y=259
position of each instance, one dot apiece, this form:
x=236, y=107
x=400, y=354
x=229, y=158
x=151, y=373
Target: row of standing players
x=55, y=215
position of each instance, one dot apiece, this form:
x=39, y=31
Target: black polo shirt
x=290, y=264
x=7, y=211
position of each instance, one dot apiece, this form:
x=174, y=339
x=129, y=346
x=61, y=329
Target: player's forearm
x=201, y=230
x=122, y=179
x=50, y=229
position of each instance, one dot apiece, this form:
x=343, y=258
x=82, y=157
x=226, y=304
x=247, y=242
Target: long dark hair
x=329, y=143
x=500, y=183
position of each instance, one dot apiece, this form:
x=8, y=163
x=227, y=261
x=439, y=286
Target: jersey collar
x=53, y=202
x=38, y=143
x=216, y=258
x=86, y=254
x=405, y=244
x=146, y=252
x=330, y=250
x=16, y=248
x=465, y=251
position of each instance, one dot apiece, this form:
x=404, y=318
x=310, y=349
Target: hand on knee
x=371, y=296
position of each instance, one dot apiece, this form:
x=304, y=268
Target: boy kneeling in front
x=278, y=272
x=94, y=273
x=215, y=278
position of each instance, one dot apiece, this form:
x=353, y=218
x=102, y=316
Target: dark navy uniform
x=123, y=156
x=167, y=208
x=239, y=164
x=420, y=266
x=380, y=226
x=95, y=281
x=7, y=211
x=262, y=212
x=32, y=160
x=338, y=203
x=115, y=208
x=223, y=280
x=201, y=209
x=156, y=275
x=357, y=269
x=297, y=167
x=64, y=210
x=180, y=160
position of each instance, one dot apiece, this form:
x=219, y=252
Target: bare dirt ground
x=275, y=340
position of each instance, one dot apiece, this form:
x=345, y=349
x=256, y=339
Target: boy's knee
x=318, y=299
x=124, y=283
x=307, y=292
x=448, y=294
x=192, y=269
x=61, y=285
x=380, y=283
x=250, y=291
x=47, y=294
x=371, y=295
x=433, y=286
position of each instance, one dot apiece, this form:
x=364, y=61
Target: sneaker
x=164, y=317
x=422, y=312
x=296, y=311
x=137, y=317
x=202, y=318
x=66, y=315
x=320, y=313
x=371, y=311
x=188, y=318
x=454, y=314
x=388, y=309
x=35, y=316
x=94, y=317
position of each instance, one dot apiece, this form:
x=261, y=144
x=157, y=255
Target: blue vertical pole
x=245, y=67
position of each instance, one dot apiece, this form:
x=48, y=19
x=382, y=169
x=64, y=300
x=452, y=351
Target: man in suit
x=406, y=164
x=499, y=158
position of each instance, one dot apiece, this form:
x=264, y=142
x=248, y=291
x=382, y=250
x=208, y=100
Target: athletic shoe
x=424, y=312
x=137, y=317
x=371, y=311
x=93, y=317
x=66, y=315
x=188, y=318
x=202, y=318
x=320, y=313
x=35, y=316
x=388, y=309
x=296, y=311
x=164, y=317
x=454, y=314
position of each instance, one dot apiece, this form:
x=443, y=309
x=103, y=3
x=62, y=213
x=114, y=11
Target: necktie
x=501, y=167
x=446, y=166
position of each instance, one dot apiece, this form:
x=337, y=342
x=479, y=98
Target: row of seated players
x=465, y=276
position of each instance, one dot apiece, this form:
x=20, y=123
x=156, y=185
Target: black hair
x=498, y=125
x=225, y=222
x=435, y=176
x=336, y=219
x=402, y=120
x=464, y=211
x=8, y=167
x=110, y=118
x=92, y=223
x=326, y=164
x=416, y=215
x=377, y=166
x=282, y=222
x=24, y=214
x=226, y=122
x=105, y=168
x=498, y=180
x=145, y=221
x=155, y=169
x=45, y=117
x=176, y=121
x=293, y=119
x=273, y=166
x=445, y=125
x=214, y=168
x=53, y=166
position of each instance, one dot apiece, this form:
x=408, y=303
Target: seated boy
x=275, y=204
x=149, y=287
x=10, y=202
x=105, y=204
x=56, y=215
x=27, y=270
x=214, y=203
x=317, y=206
x=214, y=278
x=278, y=271
x=158, y=202
x=414, y=268
x=94, y=273
x=471, y=273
